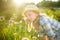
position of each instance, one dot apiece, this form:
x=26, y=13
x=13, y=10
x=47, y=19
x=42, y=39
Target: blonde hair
x=37, y=23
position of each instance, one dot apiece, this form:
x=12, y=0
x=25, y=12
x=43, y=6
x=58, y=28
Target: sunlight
x=18, y=2
x=54, y=0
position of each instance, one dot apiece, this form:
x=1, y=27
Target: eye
x=30, y=15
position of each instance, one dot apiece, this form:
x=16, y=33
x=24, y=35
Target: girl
x=41, y=23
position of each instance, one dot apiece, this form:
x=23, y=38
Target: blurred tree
x=51, y=8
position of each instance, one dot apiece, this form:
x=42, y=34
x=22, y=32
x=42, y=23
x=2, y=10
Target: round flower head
x=25, y=38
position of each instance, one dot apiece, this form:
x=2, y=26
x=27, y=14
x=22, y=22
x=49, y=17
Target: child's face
x=31, y=16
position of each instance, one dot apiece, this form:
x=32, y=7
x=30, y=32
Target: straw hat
x=33, y=8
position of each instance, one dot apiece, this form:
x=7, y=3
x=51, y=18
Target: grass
x=16, y=31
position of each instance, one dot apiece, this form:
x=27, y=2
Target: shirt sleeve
x=55, y=24
x=45, y=23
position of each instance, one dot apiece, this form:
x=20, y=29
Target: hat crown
x=31, y=7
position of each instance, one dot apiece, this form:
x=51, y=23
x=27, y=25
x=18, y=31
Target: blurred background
x=12, y=24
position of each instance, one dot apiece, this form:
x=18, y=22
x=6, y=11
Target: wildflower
x=21, y=21
x=11, y=20
x=15, y=22
x=38, y=35
x=25, y=38
x=25, y=18
x=2, y=18
x=34, y=37
x=14, y=33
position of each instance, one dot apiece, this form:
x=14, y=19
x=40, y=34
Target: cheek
x=28, y=18
x=33, y=17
